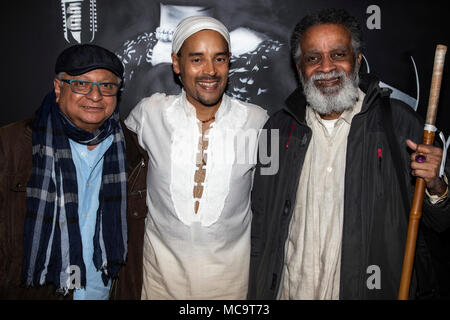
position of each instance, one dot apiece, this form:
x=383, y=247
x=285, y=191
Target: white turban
x=187, y=27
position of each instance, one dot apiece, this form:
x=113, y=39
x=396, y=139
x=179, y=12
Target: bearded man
x=332, y=223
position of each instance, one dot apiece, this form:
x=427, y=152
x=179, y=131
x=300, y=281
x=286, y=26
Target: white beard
x=334, y=99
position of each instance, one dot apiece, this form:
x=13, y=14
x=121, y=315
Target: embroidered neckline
x=229, y=119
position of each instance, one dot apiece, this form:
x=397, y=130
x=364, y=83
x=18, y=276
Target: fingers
x=423, y=149
x=428, y=149
x=425, y=160
x=416, y=156
x=431, y=153
x=411, y=144
x=428, y=167
x=425, y=164
x=425, y=174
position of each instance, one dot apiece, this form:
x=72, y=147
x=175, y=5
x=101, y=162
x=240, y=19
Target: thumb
x=411, y=144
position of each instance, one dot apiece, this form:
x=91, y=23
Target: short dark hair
x=326, y=16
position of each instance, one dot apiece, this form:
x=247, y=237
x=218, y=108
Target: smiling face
x=202, y=64
x=327, y=50
x=90, y=111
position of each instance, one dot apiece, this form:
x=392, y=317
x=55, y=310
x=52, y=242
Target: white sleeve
x=135, y=120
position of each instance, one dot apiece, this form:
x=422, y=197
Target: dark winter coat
x=15, y=170
x=375, y=219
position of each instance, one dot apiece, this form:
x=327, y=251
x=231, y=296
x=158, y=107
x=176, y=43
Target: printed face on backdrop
x=202, y=64
x=328, y=68
x=89, y=111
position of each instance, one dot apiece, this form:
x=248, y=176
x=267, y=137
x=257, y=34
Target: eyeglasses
x=85, y=87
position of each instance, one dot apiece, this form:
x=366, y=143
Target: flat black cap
x=82, y=58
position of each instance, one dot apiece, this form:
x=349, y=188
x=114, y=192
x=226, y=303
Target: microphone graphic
x=72, y=19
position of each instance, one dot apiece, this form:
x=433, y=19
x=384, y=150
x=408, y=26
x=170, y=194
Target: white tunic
x=313, y=247
x=204, y=255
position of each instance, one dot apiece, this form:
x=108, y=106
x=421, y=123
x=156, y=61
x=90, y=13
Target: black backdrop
x=33, y=35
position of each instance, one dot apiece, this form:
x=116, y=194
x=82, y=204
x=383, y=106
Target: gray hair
x=327, y=16
x=60, y=76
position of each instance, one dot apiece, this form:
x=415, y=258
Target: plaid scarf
x=52, y=238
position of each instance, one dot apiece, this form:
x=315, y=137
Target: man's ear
x=298, y=67
x=176, y=63
x=57, y=87
x=359, y=58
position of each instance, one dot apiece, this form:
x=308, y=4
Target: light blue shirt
x=89, y=166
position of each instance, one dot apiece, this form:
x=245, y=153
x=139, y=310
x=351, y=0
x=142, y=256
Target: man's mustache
x=327, y=75
x=209, y=78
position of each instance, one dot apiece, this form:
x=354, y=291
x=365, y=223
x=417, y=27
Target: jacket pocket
x=18, y=183
x=137, y=208
x=15, y=211
x=380, y=165
x=287, y=207
x=137, y=192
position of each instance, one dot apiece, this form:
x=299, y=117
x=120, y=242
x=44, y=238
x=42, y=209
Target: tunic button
x=135, y=214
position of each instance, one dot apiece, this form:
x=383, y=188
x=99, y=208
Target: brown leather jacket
x=15, y=170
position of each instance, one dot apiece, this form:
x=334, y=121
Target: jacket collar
x=28, y=131
x=295, y=104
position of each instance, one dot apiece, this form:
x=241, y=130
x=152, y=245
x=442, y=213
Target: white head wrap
x=187, y=27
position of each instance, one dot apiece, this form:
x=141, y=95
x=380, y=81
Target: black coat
x=375, y=219
x=15, y=171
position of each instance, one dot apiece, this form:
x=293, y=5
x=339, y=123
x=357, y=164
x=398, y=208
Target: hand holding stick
x=419, y=190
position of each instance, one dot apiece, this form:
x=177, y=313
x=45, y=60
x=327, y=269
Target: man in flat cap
x=202, y=146
x=63, y=175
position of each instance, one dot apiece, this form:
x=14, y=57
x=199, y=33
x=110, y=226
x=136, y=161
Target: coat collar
x=28, y=131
